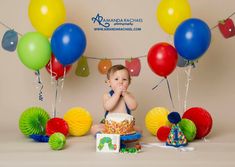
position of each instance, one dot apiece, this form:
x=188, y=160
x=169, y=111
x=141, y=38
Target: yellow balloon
x=156, y=118
x=170, y=13
x=79, y=121
x=46, y=15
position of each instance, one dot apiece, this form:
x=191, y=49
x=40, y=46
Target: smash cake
x=119, y=123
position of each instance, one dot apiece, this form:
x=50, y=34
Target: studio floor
x=16, y=150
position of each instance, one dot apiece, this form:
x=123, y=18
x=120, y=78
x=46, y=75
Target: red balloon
x=201, y=118
x=163, y=133
x=57, y=125
x=162, y=59
x=57, y=69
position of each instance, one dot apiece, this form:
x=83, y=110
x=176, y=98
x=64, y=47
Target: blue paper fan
x=39, y=138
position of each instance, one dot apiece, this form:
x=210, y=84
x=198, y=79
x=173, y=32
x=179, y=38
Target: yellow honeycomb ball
x=156, y=118
x=79, y=121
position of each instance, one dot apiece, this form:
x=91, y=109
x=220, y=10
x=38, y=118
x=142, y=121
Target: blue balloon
x=68, y=43
x=192, y=38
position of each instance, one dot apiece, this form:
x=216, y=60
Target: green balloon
x=189, y=129
x=34, y=50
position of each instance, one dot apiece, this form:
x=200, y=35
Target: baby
x=118, y=100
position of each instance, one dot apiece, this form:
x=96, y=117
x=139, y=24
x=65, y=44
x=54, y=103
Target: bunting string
x=6, y=26
x=225, y=19
x=120, y=58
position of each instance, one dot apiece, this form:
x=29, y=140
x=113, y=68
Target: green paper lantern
x=82, y=69
x=57, y=141
x=189, y=129
x=33, y=121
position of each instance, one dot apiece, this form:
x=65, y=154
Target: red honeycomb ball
x=201, y=118
x=57, y=125
x=163, y=132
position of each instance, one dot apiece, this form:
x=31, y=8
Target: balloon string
x=61, y=82
x=169, y=90
x=178, y=90
x=56, y=94
x=188, y=73
x=63, y=78
x=40, y=96
x=52, y=73
x=205, y=140
x=64, y=72
x=170, y=39
x=54, y=81
x=158, y=84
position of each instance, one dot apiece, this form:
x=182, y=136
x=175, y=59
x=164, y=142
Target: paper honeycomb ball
x=57, y=141
x=156, y=118
x=79, y=121
x=201, y=118
x=57, y=125
x=189, y=129
x=163, y=133
x=33, y=121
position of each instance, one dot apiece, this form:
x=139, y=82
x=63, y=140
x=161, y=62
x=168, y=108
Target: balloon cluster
x=68, y=41
x=192, y=37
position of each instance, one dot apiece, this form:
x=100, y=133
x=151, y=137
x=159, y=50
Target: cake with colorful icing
x=119, y=123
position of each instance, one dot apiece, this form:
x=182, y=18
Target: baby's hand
x=119, y=90
x=124, y=91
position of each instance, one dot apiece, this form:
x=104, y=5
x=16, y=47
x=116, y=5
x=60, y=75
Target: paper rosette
x=33, y=121
x=57, y=141
x=79, y=121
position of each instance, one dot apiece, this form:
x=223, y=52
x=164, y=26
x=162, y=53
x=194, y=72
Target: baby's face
x=119, y=78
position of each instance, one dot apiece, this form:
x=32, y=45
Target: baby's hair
x=118, y=67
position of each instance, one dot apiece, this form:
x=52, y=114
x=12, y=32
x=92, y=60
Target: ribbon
x=158, y=84
x=178, y=90
x=163, y=145
x=55, y=102
x=168, y=85
x=58, y=83
x=40, y=96
x=169, y=90
x=188, y=73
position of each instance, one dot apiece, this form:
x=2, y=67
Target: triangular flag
x=10, y=40
x=133, y=66
x=104, y=66
x=227, y=28
x=82, y=69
